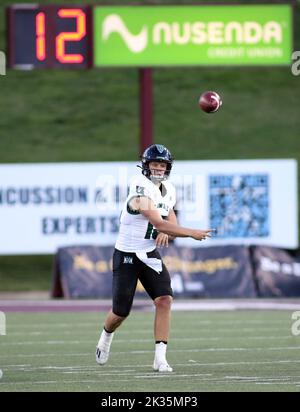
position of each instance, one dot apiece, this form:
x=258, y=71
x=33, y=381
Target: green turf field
x=209, y=351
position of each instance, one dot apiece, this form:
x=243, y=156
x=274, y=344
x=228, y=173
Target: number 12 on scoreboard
x=49, y=36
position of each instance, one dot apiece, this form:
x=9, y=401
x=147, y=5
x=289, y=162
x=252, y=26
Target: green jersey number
x=151, y=232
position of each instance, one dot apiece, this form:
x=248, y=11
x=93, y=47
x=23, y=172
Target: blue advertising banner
x=214, y=272
x=86, y=272
x=276, y=271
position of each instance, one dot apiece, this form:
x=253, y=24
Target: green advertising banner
x=193, y=35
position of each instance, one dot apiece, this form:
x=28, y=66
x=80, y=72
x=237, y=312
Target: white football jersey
x=136, y=233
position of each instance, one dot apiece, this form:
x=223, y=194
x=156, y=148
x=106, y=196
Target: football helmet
x=156, y=153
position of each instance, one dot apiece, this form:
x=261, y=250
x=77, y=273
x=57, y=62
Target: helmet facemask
x=159, y=177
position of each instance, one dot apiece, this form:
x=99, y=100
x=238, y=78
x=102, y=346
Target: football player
x=147, y=221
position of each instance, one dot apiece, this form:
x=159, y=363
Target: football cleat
x=101, y=356
x=103, y=347
x=162, y=366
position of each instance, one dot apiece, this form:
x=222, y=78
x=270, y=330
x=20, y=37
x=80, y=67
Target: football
x=210, y=102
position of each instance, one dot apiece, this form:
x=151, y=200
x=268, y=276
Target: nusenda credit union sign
x=193, y=35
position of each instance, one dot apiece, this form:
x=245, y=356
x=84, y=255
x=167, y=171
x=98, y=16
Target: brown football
x=210, y=102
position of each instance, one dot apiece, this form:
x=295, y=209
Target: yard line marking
x=118, y=373
x=192, y=364
x=172, y=375
x=49, y=382
x=153, y=376
x=75, y=342
x=186, y=339
x=138, y=352
x=126, y=369
x=139, y=321
x=90, y=354
x=277, y=383
x=174, y=339
x=257, y=378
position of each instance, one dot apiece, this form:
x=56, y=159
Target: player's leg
x=112, y=322
x=124, y=284
x=158, y=286
x=162, y=323
x=162, y=320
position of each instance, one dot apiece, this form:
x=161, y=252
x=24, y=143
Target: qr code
x=239, y=205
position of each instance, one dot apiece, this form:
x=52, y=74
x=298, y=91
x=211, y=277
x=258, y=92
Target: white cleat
x=101, y=356
x=103, y=347
x=162, y=366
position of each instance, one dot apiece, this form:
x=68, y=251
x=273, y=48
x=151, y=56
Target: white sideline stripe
x=269, y=378
x=277, y=383
x=173, y=375
x=231, y=378
x=146, y=331
x=161, y=376
x=284, y=327
x=217, y=350
x=154, y=375
x=183, y=329
x=116, y=340
x=139, y=352
x=231, y=306
x=77, y=342
x=49, y=325
x=207, y=305
x=192, y=364
x=127, y=332
x=100, y=373
x=65, y=303
x=165, y=376
x=55, y=382
x=138, y=321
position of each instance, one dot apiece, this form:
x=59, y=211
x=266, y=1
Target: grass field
x=209, y=351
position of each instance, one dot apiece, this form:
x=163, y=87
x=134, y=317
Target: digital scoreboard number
x=49, y=36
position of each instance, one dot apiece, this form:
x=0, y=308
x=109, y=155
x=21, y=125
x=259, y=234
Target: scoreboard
x=83, y=36
x=49, y=36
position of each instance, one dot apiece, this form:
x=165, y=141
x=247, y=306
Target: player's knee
x=163, y=302
x=121, y=312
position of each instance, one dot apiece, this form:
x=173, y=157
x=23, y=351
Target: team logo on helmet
x=160, y=148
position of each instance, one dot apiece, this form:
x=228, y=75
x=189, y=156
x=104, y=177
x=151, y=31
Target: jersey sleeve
x=139, y=189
